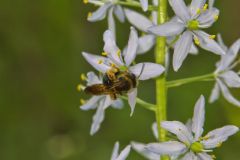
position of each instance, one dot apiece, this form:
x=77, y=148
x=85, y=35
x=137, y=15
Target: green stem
x=161, y=89
x=143, y=103
x=179, y=82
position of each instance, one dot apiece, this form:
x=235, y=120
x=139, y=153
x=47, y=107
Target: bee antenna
x=143, y=66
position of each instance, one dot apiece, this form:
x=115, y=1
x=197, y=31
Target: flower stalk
x=161, y=89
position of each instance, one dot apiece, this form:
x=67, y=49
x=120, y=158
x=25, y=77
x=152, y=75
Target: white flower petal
x=168, y=148
x=145, y=43
x=111, y=23
x=167, y=29
x=226, y=93
x=118, y=11
x=111, y=48
x=204, y=156
x=94, y=61
x=115, y=151
x=231, y=78
x=124, y=153
x=235, y=47
x=100, y=13
x=146, y=70
x=189, y=156
x=193, y=50
x=132, y=95
x=91, y=103
x=215, y=93
x=117, y=104
x=198, y=118
x=180, y=9
x=182, y=49
x=221, y=42
x=141, y=149
x=97, y=119
x=144, y=4
x=195, y=6
x=132, y=47
x=188, y=124
x=92, y=78
x=207, y=18
x=155, y=130
x=138, y=20
x=211, y=3
x=208, y=44
x=179, y=129
x=217, y=136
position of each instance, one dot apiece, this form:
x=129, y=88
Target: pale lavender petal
x=118, y=11
x=195, y=6
x=167, y=29
x=189, y=156
x=215, y=93
x=211, y=3
x=182, y=49
x=155, y=130
x=91, y=103
x=146, y=70
x=167, y=148
x=111, y=48
x=234, y=49
x=179, y=129
x=145, y=43
x=207, y=18
x=204, y=156
x=124, y=153
x=226, y=93
x=221, y=42
x=193, y=50
x=117, y=104
x=92, y=78
x=111, y=23
x=100, y=13
x=198, y=118
x=138, y=20
x=141, y=149
x=144, y=4
x=208, y=43
x=180, y=9
x=97, y=119
x=231, y=78
x=217, y=136
x=188, y=124
x=132, y=47
x=132, y=96
x=115, y=151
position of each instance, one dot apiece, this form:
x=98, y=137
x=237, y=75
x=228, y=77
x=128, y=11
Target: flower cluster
x=119, y=73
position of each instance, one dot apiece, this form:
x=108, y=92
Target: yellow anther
x=113, y=65
x=213, y=156
x=216, y=17
x=83, y=77
x=212, y=36
x=205, y=137
x=80, y=87
x=198, y=11
x=89, y=14
x=82, y=101
x=85, y=1
x=205, y=7
x=219, y=144
x=104, y=53
x=119, y=53
x=100, y=61
x=196, y=40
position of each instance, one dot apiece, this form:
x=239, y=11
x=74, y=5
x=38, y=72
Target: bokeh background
x=40, y=65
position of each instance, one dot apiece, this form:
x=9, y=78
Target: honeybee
x=114, y=83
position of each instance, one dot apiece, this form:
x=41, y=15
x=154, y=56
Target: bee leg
x=113, y=96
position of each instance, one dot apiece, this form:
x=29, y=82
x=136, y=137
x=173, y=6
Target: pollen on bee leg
x=82, y=101
x=100, y=61
x=83, y=77
x=89, y=14
x=196, y=41
x=85, y=1
x=80, y=87
x=104, y=53
x=212, y=36
x=205, y=7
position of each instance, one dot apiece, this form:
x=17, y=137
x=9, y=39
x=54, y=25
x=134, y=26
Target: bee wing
x=117, y=84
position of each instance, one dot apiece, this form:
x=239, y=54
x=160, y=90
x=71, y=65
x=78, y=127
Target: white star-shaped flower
x=124, y=153
x=225, y=75
x=100, y=103
x=188, y=24
x=123, y=60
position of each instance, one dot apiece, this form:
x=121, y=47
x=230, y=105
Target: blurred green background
x=40, y=65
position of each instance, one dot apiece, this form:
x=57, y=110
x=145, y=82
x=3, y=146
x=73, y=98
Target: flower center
x=193, y=25
x=196, y=147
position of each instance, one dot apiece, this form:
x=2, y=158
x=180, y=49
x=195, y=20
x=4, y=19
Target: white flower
x=190, y=142
x=124, y=153
x=225, y=75
x=187, y=24
x=108, y=7
x=100, y=103
x=115, y=58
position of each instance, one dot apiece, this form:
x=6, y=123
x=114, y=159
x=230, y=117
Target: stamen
x=213, y=156
x=205, y=137
x=89, y=14
x=104, y=53
x=100, y=61
x=198, y=11
x=83, y=77
x=216, y=17
x=85, y=1
x=205, y=7
x=113, y=65
x=196, y=41
x=212, y=36
x=82, y=101
x=119, y=53
x=219, y=144
x=80, y=87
